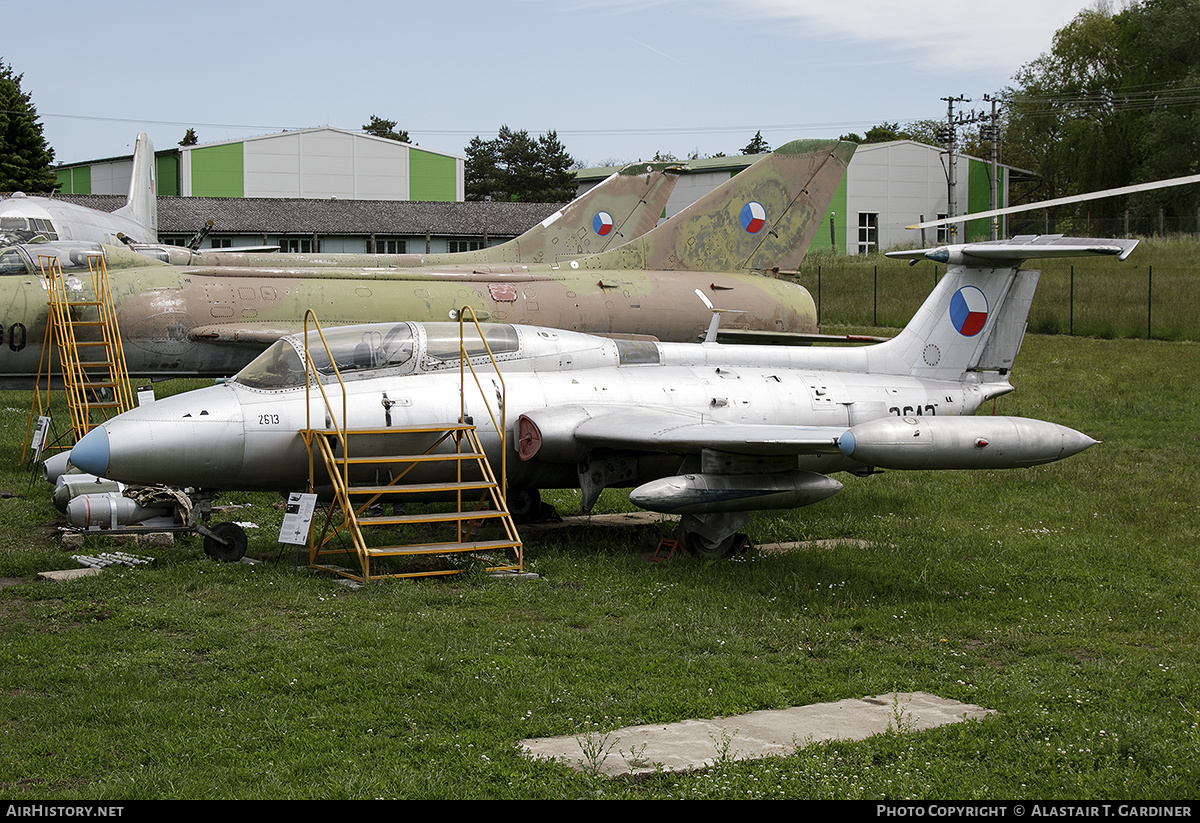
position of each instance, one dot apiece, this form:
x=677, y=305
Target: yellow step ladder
x=82, y=331
x=407, y=463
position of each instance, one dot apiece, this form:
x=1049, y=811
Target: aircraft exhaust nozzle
x=713, y=493
x=914, y=443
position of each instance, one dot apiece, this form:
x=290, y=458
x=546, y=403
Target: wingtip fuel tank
x=967, y=442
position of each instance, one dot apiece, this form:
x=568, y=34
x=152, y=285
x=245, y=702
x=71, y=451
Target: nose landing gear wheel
x=234, y=548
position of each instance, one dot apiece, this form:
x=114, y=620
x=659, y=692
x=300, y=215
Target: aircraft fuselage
x=212, y=322
x=239, y=436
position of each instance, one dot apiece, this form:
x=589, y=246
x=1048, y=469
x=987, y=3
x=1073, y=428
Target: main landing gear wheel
x=698, y=545
x=234, y=547
x=524, y=504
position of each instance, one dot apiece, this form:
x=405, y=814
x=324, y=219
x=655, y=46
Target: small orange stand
x=668, y=544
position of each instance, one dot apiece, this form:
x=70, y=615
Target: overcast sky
x=618, y=80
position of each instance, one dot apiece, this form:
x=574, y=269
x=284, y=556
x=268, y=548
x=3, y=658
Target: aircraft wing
x=576, y=430
x=1022, y=247
x=779, y=338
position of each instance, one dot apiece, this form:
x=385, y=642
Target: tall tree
x=387, y=129
x=482, y=172
x=556, y=182
x=757, y=145
x=189, y=138
x=1111, y=104
x=24, y=156
x=517, y=167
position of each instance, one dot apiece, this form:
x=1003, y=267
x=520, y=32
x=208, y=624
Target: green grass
x=1063, y=597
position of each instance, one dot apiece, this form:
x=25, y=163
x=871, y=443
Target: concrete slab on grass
x=695, y=744
x=68, y=574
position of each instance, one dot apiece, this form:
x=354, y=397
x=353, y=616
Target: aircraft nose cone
x=191, y=439
x=90, y=454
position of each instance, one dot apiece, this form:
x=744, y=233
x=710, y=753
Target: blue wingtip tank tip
x=846, y=443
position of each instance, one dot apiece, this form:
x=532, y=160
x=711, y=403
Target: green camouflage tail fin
x=623, y=206
x=762, y=220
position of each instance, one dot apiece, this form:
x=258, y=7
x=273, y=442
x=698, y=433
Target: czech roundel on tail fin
x=763, y=219
x=975, y=318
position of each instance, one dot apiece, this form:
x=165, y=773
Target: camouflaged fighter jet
x=707, y=431
x=29, y=219
x=211, y=320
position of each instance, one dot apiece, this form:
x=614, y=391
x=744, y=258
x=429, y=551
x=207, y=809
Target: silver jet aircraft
x=708, y=431
x=25, y=218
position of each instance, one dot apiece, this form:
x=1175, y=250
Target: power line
x=664, y=130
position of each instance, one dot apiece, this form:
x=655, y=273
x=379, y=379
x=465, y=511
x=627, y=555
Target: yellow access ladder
x=96, y=384
x=476, y=493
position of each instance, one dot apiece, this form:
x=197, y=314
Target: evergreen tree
x=189, y=138
x=386, y=128
x=517, y=167
x=24, y=156
x=757, y=145
x=557, y=183
x=482, y=173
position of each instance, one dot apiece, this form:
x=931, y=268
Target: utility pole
x=949, y=137
x=990, y=131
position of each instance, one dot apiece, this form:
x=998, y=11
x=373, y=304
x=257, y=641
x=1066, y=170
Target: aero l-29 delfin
x=708, y=431
x=721, y=251
x=26, y=218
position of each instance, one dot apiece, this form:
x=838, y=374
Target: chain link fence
x=1101, y=298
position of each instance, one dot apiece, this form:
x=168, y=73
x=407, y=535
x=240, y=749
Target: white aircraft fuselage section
x=244, y=434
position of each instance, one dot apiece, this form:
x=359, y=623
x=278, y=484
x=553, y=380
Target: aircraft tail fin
x=763, y=219
x=975, y=318
x=623, y=206
x=142, y=204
